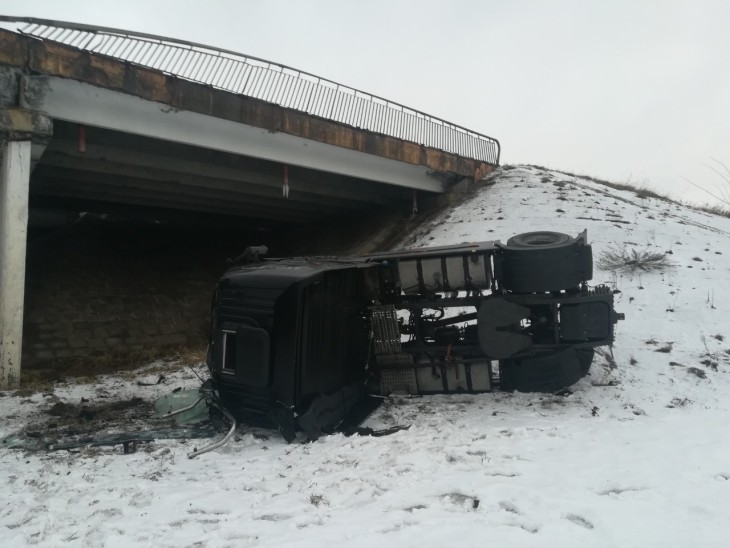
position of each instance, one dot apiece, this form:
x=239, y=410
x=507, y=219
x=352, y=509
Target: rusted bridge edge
x=44, y=57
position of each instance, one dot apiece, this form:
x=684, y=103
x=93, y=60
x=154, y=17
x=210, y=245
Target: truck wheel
x=548, y=372
x=538, y=262
x=540, y=240
x=585, y=359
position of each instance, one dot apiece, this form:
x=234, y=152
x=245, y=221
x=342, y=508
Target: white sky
x=632, y=91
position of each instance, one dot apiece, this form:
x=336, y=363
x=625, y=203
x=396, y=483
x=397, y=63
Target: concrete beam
x=40, y=204
x=103, y=170
x=19, y=124
x=200, y=164
x=14, y=182
x=95, y=106
x=73, y=189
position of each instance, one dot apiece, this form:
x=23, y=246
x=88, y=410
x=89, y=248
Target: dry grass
x=631, y=259
x=721, y=193
x=41, y=378
x=643, y=191
x=722, y=211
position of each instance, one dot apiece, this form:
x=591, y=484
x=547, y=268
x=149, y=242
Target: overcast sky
x=631, y=91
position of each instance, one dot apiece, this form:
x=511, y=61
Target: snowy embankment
x=637, y=455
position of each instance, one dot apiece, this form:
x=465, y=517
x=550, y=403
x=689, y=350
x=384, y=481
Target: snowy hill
x=636, y=455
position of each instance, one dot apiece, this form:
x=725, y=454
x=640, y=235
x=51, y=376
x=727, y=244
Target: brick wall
x=96, y=289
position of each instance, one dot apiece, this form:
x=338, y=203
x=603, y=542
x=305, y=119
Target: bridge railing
x=270, y=82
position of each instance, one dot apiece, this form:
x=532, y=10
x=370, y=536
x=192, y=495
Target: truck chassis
x=300, y=343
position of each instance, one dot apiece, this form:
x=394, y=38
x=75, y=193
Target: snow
x=637, y=455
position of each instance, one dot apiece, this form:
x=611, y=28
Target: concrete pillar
x=23, y=133
x=14, y=180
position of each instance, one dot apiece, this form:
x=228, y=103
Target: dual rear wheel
x=541, y=262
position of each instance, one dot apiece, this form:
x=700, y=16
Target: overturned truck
x=300, y=343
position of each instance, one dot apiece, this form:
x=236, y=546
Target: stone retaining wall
x=96, y=289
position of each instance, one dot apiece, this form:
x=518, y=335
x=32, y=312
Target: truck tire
x=585, y=359
x=540, y=240
x=547, y=372
x=539, y=262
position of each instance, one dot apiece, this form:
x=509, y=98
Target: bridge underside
x=105, y=171
x=126, y=136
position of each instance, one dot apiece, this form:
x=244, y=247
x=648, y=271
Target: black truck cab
x=299, y=343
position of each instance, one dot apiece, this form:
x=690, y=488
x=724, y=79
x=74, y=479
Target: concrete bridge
x=103, y=120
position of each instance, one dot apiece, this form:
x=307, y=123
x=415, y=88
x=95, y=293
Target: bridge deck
x=269, y=82
x=263, y=95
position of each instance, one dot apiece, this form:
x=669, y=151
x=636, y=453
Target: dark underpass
x=111, y=289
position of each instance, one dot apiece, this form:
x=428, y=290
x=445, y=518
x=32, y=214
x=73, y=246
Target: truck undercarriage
x=301, y=343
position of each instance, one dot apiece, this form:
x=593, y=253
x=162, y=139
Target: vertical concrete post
x=14, y=180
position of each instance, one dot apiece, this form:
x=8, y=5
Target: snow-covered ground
x=637, y=455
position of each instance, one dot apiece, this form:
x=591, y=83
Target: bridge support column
x=14, y=180
x=20, y=132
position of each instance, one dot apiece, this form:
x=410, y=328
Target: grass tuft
x=632, y=259
x=41, y=377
